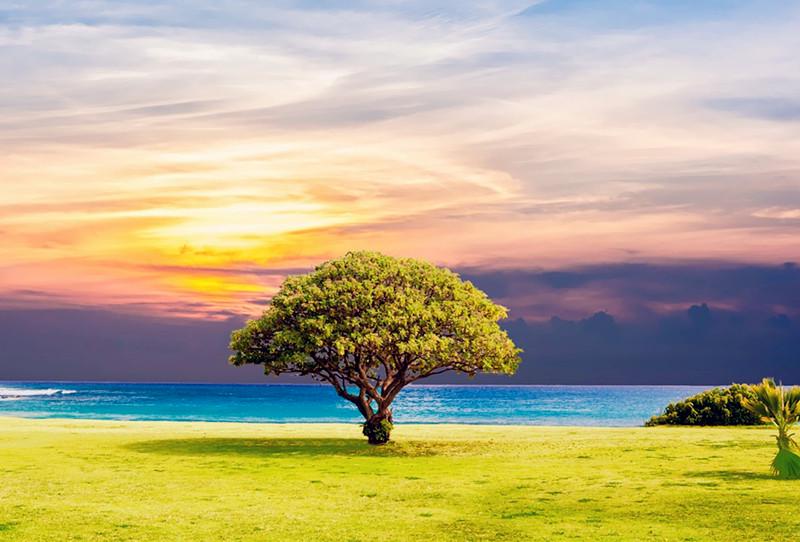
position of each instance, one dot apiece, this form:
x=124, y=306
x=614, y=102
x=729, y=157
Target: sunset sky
x=162, y=159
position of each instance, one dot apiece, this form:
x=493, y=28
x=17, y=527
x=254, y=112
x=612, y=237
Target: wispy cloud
x=144, y=141
x=767, y=108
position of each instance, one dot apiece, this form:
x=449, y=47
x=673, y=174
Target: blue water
x=528, y=405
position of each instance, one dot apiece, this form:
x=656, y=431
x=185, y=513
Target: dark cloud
x=722, y=323
x=90, y=344
x=700, y=345
x=680, y=323
x=636, y=289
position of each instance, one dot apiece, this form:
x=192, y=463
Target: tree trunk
x=378, y=427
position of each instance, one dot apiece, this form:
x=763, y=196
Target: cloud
x=493, y=134
x=778, y=213
x=91, y=344
x=643, y=291
x=766, y=108
x=699, y=344
x=696, y=344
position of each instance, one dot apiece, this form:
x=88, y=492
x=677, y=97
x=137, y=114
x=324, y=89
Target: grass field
x=92, y=480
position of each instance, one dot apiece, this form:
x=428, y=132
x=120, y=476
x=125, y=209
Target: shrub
x=718, y=406
x=377, y=432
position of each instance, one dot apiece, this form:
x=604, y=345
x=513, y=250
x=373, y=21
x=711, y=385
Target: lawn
x=93, y=480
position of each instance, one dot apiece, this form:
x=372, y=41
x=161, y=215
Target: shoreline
x=476, y=427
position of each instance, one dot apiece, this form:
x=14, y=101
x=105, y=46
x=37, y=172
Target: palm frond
x=792, y=404
x=767, y=402
x=774, y=403
x=786, y=465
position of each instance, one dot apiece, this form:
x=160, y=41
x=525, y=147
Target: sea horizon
x=324, y=384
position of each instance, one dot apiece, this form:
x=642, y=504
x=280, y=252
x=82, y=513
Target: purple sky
x=608, y=163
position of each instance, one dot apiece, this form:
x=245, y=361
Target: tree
x=781, y=407
x=369, y=325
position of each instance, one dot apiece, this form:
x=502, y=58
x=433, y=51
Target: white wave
x=20, y=393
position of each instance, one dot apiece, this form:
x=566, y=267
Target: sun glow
x=214, y=286
x=188, y=170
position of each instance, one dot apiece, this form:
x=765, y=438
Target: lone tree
x=370, y=324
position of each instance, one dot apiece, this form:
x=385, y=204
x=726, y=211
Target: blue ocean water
x=526, y=405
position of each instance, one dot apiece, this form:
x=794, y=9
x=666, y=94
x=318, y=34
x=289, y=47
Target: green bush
x=377, y=431
x=718, y=406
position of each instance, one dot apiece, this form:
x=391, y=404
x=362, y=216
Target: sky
x=169, y=163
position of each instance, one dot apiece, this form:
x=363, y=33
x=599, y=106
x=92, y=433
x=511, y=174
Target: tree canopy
x=370, y=324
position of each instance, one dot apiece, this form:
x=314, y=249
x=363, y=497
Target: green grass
x=90, y=480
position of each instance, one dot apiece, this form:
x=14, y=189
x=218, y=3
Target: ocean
x=610, y=406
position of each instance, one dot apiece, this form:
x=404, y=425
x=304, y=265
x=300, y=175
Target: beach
x=132, y=480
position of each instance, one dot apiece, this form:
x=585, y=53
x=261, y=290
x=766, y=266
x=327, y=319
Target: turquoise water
x=528, y=405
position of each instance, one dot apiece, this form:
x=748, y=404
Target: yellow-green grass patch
x=107, y=480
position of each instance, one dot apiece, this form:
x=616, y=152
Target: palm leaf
x=781, y=407
x=786, y=465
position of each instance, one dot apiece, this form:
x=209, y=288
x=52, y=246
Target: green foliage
x=781, y=407
x=370, y=324
x=786, y=464
x=718, y=406
x=377, y=431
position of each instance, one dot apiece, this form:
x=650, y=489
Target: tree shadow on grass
x=731, y=475
x=286, y=447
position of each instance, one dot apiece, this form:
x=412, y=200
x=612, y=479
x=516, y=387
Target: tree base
x=377, y=430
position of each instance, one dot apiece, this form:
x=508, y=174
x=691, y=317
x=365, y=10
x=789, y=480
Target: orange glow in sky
x=188, y=166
